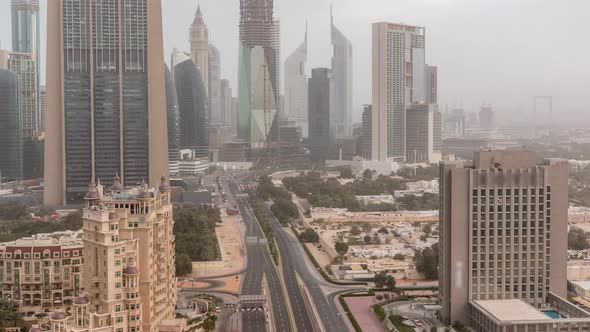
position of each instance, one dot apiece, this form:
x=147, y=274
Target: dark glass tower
x=100, y=57
x=319, y=114
x=11, y=165
x=173, y=118
x=192, y=104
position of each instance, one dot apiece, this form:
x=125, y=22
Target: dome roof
x=143, y=195
x=113, y=215
x=81, y=300
x=117, y=184
x=131, y=270
x=163, y=185
x=58, y=316
x=35, y=329
x=92, y=195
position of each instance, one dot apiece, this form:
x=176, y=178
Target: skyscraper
x=366, y=132
x=320, y=137
x=431, y=85
x=214, y=86
x=25, y=67
x=42, y=107
x=192, y=104
x=503, y=238
x=26, y=39
x=398, y=80
x=11, y=142
x=173, y=121
x=129, y=272
x=258, y=88
x=199, y=40
x=226, y=104
x=296, y=87
x=103, y=117
x=487, y=118
x=342, y=77
x=423, y=133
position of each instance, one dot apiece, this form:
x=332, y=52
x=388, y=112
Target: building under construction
x=259, y=81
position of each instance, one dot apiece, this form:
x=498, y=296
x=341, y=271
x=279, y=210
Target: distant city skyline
x=504, y=67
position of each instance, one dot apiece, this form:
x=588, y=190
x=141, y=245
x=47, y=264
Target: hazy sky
x=501, y=52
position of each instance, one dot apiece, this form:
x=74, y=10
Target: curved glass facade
x=11, y=166
x=192, y=107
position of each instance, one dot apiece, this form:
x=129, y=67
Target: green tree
x=379, y=312
x=380, y=279
x=346, y=173
x=367, y=239
x=309, y=235
x=367, y=227
x=427, y=262
x=399, y=257
x=341, y=248
x=12, y=211
x=577, y=239
x=383, y=230
x=368, y=174
x=8, y=313
x=354, y=230
x=184, y=265
x=390, y=282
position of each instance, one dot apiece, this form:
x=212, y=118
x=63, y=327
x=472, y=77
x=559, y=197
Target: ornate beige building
x=41, y=270
x=129, y=278
x=199, y=39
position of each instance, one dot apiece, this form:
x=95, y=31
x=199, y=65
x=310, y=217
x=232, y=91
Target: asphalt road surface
x=259, y=264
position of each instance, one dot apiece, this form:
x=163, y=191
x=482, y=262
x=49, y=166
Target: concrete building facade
x=173, y=123
x=503, y=242
x=129, y=277
x=214, y=85
x=423, y=133
x=102, y=115
x=25, y=67
x=399, y=74
x=42, y=271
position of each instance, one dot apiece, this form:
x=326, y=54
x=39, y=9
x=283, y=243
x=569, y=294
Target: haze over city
x=494, y=52
x=294, y=166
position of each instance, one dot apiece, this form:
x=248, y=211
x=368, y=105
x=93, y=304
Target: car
x=417, y=322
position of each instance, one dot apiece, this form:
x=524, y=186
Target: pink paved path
x=361, y=309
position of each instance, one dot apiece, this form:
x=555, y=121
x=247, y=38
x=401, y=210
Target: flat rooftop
x=511, y=310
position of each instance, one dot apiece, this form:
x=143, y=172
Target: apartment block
x=129, y=277
x=423, y=133
x=42, y=271
x=503, y=244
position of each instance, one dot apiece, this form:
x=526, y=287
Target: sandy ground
x=361, y=309
x=320, y=256
x=229, y=236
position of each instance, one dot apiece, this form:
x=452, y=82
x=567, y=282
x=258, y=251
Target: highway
x=259, y=266
x=323, y=294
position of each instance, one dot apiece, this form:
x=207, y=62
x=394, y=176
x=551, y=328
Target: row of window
x=46, y=254
x=510, y=191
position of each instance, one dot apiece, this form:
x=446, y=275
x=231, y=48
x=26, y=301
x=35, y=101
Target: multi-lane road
x=299, y=277
x=260, y=266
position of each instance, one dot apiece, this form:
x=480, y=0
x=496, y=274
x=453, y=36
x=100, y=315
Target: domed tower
x=58, y=322
x=81, y=304
x=117, y=186
x=92, y=196
x=131, y=286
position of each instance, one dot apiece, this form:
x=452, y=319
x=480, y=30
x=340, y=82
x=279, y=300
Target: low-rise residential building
x=376, y=199
x=42, y=271
x=343, y=215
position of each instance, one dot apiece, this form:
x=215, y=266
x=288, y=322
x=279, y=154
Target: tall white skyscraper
x=399, y=79
x=296, y=87
x=341, y=112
